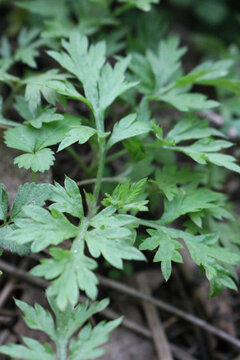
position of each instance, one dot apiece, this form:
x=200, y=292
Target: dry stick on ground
x=21, y=274
x=159, y=337
x=9, y=286
x=169, y=308
x=178, y=352
x=6, y=291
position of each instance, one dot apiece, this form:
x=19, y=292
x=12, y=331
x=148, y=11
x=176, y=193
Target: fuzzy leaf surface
x=42, y=228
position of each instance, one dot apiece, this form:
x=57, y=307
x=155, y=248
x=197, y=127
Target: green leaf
x=83, y=61
x=70, y=272
x=141, y=4
x=113, y=237
x=70, y=320
x=156, y=70
x=128, y=197
x=169, y=179
x=35, y=142
x=65, y=88
x=167, y=250
x=190, y=128
x=80, y=134
x=11, y=245
x=42, y=228
x=67, y=323
x=37, y=318
x=188, y=102
x=45, y=115
x=40, y=7
x=86, y=345
x=35, y=88
x=67, y=200
x=204, y=150
x=166, y=63
x=41, y=160
x=127, y=127
x=189, y=200
x=3, y=203
x=32, y=350
x=29, y=194
x=28, y=45
x=112, y=82
x=161, y=77
x=22, y=138
x=207, y=253
x=208, y=70
x=102, y=84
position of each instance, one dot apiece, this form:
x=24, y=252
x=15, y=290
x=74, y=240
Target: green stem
x=98, y=183
x=125, y=152
x=74, y=154
x=78, y=242
x=33, y=176
x=114, y=179
x=116, y=155
x=62, y=350
x=102, y=156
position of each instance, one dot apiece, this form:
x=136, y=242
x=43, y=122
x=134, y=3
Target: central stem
x=62, y=350
x=102, y=151
x=98, y=183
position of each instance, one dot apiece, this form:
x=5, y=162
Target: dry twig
x=159, y=337
x=21, y=274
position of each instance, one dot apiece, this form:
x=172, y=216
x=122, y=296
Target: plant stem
x=62, y=349
x=78, y=242
x=102, y=155
x=78, y=159
x=116, y=155
x=98, y=183
x=33, y=176
x=125, y=152
x=114, y=179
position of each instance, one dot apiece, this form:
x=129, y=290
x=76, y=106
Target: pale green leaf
x=67, y=199
x=32, y=351
x=168, y=249
x=189, y=200
x=206, y=150
x=87, y=343
x=128, y=197
x=35, y=88
x=126, y=128
x=41, y=160
x=141, y=4
x=188, y=102
x=80, y=134
x=3, y=203
x=70, y=272
x=42, y=228
x=11, y=245
x=29, y=194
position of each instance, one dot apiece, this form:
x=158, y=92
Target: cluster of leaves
x=85, y=344
x=76, y=227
